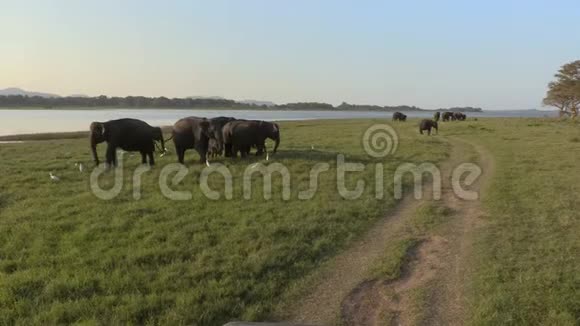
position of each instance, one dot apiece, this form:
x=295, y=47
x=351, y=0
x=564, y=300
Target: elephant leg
x=227, y=150
x=151, y=158
x=111, y=155
x=234, y=151
x=421, y=131
x=143, y=157
x=260, y=149
x=429, y=132
x=246, y=151
x=180, y=154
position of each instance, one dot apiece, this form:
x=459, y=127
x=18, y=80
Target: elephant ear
x=202, y=131
x=97, y=130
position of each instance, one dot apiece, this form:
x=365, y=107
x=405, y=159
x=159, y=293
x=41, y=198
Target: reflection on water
x=36, y=121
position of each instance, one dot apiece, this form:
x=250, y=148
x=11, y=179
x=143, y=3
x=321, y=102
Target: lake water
x=14, y=122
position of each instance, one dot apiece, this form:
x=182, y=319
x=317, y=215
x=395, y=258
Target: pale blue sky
x=494, y=54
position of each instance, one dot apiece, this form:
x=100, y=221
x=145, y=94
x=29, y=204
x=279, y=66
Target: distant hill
x=16, y=97
x=20, y=91
x=258, y=103
x=206, y=97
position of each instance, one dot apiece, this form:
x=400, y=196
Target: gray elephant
x=216, y=128
x=191, y=133
x=398, y=116
x=426, y=125
x=242, y=135
x=214, y=148
x=130, y=135
x=436, y=116
x=459, y=116
x=447, y=116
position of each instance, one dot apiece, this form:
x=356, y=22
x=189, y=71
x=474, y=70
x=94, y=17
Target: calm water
x=37, y=121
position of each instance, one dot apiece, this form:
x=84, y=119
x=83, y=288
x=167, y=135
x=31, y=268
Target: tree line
x=216, y=103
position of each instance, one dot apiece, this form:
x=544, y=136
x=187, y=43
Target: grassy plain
x=528, y=256
x=67, y=256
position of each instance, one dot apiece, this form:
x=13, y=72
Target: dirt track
x=438, y=266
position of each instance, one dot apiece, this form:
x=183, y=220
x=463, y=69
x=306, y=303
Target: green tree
x=564, y=92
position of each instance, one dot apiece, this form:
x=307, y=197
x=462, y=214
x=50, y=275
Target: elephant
x=191, y=132
x=459, y=116
x=130, y=135
x=427, y=124
x=436, y=116
x=216, y=126
x=242, y=135
x=214, y=148
x=447, y=116
x=398, y=116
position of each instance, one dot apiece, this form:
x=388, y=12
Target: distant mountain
x=78, y=95
x=20, y=91
x=206, y=97
x=258, y=103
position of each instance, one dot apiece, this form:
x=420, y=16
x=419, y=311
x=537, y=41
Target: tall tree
x=564, y=92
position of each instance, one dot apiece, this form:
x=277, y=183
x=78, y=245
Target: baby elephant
x=427, y=124
x=213, y=148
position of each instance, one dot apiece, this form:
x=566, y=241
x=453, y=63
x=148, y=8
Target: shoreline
x=114, y=108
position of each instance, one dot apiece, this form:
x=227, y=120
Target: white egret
x=53, y=177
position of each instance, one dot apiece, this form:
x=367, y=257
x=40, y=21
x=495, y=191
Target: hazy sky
x=497, y=54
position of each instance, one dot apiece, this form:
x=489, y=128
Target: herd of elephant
x=428, y=124
x=209, y=137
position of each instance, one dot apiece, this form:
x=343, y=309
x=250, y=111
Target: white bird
x=162, y=154
x=312, y=147
x=80, y=166
x=253, y=165
x=53, y=177
x=267, y=156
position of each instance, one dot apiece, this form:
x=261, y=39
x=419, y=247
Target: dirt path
x=435, y=272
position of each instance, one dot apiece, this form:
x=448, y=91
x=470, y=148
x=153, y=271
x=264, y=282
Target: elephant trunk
x=277, y=142
x=94, y=150
x=96, y=137
x=162, y=144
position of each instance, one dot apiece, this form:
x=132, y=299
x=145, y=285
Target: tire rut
x=437, y=269
x=436, y=266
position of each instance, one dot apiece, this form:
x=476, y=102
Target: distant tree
x=564, y=92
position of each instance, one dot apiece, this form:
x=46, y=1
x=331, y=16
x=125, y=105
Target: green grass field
x=67, y=256
x=528, y=256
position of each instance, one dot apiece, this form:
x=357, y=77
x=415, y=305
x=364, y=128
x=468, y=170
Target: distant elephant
x=130, y=135
x=447, y=116
x=398, y=116
x=437, y=116
x=459, y=116
x=242, y=135
x=191, y=132
x=216, y=128
x=427, y=124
